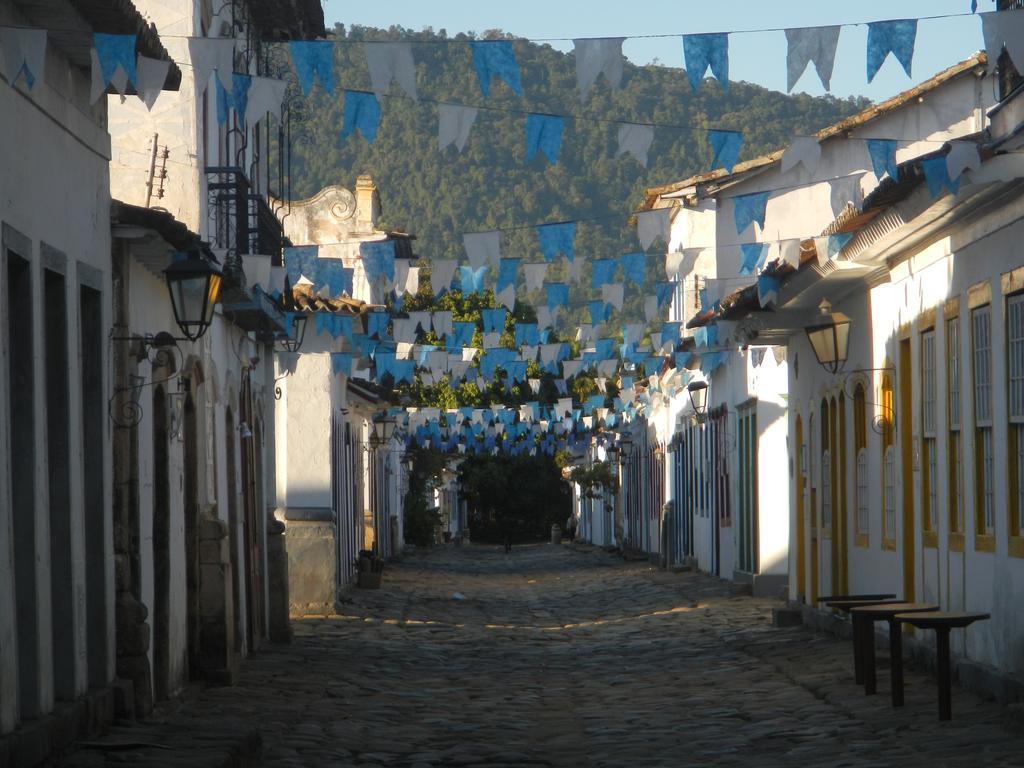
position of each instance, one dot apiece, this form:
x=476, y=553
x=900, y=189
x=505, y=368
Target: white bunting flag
x=963, y=155
x=482, y=248
x=151, y=74
x=266, y=94
x=636, y=140
x=534, y=275
x=544, y=318
x=24, y=48
x=507, y=297
x=454, y=124
x=803, y=150
x=597, y=55
x=613, y=294
x=442, y=322
x=1005, y=28
x=391, y=61
x=789, y=252
x=650, y=308
x=208, y=54
x=651, y=225
x=441, y=273
x=817, y=44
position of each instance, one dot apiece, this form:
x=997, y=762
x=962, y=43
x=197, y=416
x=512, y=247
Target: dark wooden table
x=942, y=622
x=844, y=603
x=837, y=598
x=867, y=615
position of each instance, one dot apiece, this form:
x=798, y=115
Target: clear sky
x=758, y=57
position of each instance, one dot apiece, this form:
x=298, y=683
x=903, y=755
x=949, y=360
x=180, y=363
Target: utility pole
x=155, y=176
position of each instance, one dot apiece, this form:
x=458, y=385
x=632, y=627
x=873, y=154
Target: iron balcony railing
x=240, y=220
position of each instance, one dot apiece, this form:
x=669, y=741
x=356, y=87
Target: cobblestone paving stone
x=560, y=656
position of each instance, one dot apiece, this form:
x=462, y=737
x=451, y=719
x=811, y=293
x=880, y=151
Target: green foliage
x=524, y=495
x=439, y=195
x=595, y=479
x=420, y=519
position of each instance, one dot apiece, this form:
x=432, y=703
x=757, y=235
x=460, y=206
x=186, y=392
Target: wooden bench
x=867, y=615
x=942, y=622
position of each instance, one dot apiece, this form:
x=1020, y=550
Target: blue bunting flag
x=558, y=295
x=544, y=134
x=377, y=324
x=494, y=319
x=753, y=257
x=495, y=58
x=936, y=175
x=313, y=58
x=378, y=260
x=115, y=51
x=703, y=51
x=883, y=157
x=767, y=290
x=336, y=278
x=300, y=260
x=664, y=291
x=362, y=113
x=634, y=267
x=837, y=242
x=671, y=333
x=527, y=333
x=598, y=312
x=472, y=280
x=725, y=148
x=748, y=209
x=237, y=99
x=341, y=362
x=895, y=37
x=602, y=272
x=555, y=238
x=508, y=270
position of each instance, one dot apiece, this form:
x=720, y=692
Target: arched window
x=889, y=494
x=860, y=441
x=826, y=469
x=888, y=415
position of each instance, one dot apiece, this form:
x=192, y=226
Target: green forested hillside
x=438, y=195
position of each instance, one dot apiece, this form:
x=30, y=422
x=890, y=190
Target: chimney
x=367, y=204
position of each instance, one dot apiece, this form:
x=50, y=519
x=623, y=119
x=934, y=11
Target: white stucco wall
x=54, y=159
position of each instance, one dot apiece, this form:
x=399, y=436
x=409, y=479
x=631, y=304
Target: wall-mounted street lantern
x=830, y=337
x=293, y=342
x=698, y=391
x=194, y=284
x=383, y=429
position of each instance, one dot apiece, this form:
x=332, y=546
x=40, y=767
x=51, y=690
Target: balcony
x=239, y=220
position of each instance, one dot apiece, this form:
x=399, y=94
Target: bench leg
x=942, y=662
x=896, y=662
x=867, y=648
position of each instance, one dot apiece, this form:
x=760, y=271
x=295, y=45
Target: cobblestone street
x=557, y=657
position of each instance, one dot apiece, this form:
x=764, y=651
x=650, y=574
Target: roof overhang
x=70, y=25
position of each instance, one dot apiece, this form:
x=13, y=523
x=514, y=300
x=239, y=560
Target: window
x=826, y=490
x=888, y=465
x=862, y=494
x=954, y=460
x=860, y=445
x=981, y=354
x=889, y=494
x=1015, y=395
x=929, y=522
